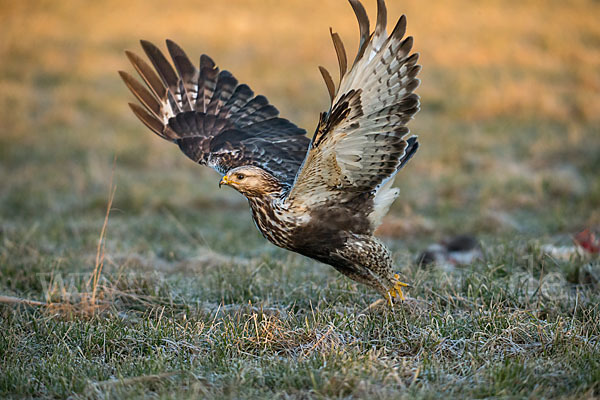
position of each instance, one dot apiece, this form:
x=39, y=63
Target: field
x=175, y=294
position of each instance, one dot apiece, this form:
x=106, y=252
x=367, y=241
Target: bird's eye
x=240, y=177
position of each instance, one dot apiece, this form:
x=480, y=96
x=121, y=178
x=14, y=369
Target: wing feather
x=328, y=82
x=360, y=142
x=363, y=24
x=188, y=74
x=340, y=51
x=151, y=122
x=214, y=120
x=240, y=97
x=207, y=83
x=166, y=73
x=148, y=75
x=144, y=96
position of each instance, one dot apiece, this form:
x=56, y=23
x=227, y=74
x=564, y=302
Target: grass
x=192, y=302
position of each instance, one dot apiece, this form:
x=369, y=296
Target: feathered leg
x=365, y=259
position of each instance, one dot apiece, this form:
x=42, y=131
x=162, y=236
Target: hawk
x=321, y=197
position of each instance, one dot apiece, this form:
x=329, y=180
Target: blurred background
x=509, y=123
x=510, y=156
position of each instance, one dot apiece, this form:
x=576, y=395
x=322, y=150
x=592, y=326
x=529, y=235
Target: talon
x=397, y=289
x=400, y=294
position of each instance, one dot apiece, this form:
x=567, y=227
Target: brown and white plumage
x=360, y=142
x=215, y=120
x=324, y=197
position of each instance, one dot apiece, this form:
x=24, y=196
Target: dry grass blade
x=317, y=343
x=18, y=300
x=100, y=251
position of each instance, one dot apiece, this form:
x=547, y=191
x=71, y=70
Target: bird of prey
x=321, y=197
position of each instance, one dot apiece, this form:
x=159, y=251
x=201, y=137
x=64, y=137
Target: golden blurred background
x=487, y=59
x=510, y=92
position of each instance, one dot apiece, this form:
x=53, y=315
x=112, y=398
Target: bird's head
x=252, y=181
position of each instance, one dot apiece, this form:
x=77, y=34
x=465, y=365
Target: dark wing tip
x=171, y=42
x=400, y=28
x=150, y=121
x=381, y=16
x=142, y=94
x=149, y=48
x=206, y=62
x=146, y=44
x=328, y=81
x=340, y=51
x=163, y=67
x=363, y=24
x=412, y=145
x=147, y=74
x=132, y=57
x=176, y=51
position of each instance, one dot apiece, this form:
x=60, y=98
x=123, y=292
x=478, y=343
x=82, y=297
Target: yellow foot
x=397, y=290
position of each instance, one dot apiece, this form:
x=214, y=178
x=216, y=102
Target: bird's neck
x=272, y=218
x=268, y=205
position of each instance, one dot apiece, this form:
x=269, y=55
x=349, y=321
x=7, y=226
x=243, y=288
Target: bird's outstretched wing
x=215, y=120
x=359, y=143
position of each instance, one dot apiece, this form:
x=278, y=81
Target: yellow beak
x=224, y=181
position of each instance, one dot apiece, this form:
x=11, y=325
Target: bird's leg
x=396, y=290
